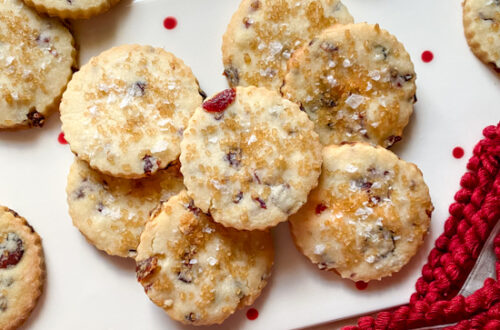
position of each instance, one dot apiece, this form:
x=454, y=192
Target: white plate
x=86, y=289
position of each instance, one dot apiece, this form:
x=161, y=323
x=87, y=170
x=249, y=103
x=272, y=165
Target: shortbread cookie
x=263, y=34
x=368, y=215
x=482, y=29
x=250, y=158
x=356, y=82
x=22, y=269
x=36, y=59
x=125, y=111
x=111, y=212
x=198, y=271
x=71, y=8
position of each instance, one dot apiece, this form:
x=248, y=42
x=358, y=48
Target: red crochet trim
x=472, y=217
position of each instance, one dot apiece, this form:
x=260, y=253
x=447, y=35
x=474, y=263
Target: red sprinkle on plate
x=221, y=101
x=61, y=138
x=252, y=314
x=170, y=23
x=458, y=152
x=360, y=285
x=427, y=56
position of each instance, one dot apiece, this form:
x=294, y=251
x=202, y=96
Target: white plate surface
x=86, y=289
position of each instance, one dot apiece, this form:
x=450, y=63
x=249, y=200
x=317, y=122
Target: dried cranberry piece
x=393, y=139
x=320, y=208
x=233, y=157
x=257, y=177
x=238, y=197
x=261, y=202
x=221, y=101
x=149, y=163
x=366, y=185
x=328, y=47
x=35, y=118
x=10, y=257
x=191, y=207
x=145, y=268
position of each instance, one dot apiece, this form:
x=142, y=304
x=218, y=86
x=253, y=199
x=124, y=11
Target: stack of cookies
x=190, y=188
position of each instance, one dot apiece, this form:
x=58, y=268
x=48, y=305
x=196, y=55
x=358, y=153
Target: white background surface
x=86, y=289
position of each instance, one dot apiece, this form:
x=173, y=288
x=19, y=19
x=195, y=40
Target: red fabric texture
x=472, y=217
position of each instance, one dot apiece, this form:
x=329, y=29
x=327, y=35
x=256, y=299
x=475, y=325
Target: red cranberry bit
x=61, y=138
x=170, y=23
x=360, y=285
x=261, y=202
x=252, y=314
x=458, y=152
x=427, y=56
x=145, y=268
x=9, y=258
x=320, y=208
x=221, y=101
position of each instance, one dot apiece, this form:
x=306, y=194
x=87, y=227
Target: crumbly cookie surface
x=36, y=59
x=356, y=82
x=368, y=215
x=252, y=164
x=263, y=34
x=125, y=111
x=482, y=29
x=198, y=271
x=75, y=9
x=112, y=212
x=22, y=269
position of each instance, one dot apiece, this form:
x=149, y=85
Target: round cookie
x=368, y=215
x=198, y=271
x=125, y=111
x=111, y=212
x=263, y=34
x=75, y=9
x=481, y=20
x=250, y=158
x=36, y=59
x=356, y=82
x=22, y=269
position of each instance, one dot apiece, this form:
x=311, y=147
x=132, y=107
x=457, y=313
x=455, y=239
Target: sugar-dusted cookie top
x=263, y=34
x=36, y=59
x=22, y=269
x=198, y=271
x=125, y=111
x=482, y=29
x=250, y=158
x=368, y=215
x=356, y=82
x=111, y=212
x=71, y=8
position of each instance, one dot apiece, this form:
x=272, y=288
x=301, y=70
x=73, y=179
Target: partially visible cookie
x=125, y=111
x=22, y=269
x=263, y=34
x=198, y=271
x=482, y=29
x=36, y=60
x=75, y=9
x=356, y=82
x=250, y=158
x=111, y=212
x=368, y=215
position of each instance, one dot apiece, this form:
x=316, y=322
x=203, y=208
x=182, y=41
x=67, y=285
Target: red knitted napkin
x=473, y=215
